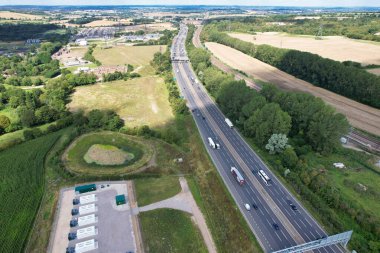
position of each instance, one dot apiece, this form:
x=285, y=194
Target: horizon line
x=203, y=5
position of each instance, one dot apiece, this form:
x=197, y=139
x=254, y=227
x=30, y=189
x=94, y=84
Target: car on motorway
x=254, y=206
x=293, y=206
x=275, y=226
x=247, y=206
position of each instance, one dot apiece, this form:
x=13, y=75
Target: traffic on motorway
x=276, y=218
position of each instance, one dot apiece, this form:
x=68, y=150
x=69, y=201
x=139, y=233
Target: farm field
x=155, y=27
x=359, y=115
x=15, y=15
x=102, y=22
x=150, y=190
x=374, y=71
x=139, y=101
x=21, y=190
x=334, y=47
x=168, y=230
x=120, y=55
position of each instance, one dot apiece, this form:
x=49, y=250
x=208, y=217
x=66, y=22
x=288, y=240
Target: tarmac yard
x=102, y=224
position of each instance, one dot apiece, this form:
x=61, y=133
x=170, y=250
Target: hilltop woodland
x=342, y=78
x=294, y=128
x=23, y=31
x=352, y=25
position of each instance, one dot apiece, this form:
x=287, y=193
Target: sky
x=327, y=3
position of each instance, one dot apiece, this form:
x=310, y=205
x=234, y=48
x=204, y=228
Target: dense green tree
x=4, y=123
x=267, y=121
x=325, y=130
x=26, y=116
x=289, y=158
x=232, y=97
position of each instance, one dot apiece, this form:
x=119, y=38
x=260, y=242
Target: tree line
x=24, y=31
x=349, y=81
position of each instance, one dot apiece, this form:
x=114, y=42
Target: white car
x=247, y=206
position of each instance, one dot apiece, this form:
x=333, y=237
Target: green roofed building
x=85, y=188
x=120, y=199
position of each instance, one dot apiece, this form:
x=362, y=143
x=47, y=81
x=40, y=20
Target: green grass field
x=169, y=231
x=21, y=189
x=121, y=55
x=358, y=171
x=74, y=156
x=150, y=190
x=140, y=101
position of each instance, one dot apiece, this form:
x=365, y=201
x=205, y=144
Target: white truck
x=229, y=123
x=212, y=144
x=237, y=175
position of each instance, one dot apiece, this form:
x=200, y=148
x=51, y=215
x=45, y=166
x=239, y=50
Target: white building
x=81, y=42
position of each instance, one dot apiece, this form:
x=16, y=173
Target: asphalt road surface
x=271, y=198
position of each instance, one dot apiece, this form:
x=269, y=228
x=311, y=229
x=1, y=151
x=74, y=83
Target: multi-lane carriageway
x=273, y=200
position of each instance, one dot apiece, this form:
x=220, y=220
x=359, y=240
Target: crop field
x=150, y=190
x=155, y=27
x=140, y=101
x=102, y=22
x=168, y=230
x=102, y=162
x=374, y=71
x=334, y=47
x=15, y=15
x=359, y=115
x=121, y=55
x=21, y=189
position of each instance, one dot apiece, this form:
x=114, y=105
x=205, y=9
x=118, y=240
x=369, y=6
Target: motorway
x=295, y=227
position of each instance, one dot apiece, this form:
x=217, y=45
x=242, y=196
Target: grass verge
x=150, y=190
x=168, y=230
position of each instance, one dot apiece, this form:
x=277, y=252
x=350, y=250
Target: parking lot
x=100, y=224
x=96, y=33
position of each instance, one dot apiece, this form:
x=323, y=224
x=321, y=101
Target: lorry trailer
x=237, y=175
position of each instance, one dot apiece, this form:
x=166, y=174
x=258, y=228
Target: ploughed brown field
x=334, y=47
x=359, y=115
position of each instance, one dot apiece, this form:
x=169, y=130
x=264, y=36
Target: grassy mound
x=107, y=153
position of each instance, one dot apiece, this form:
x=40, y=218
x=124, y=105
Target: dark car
x=75, y=201
x=70, y=250
x=74, y=211
x=293, y=206
x=72, y=236
x=254, y=206
x=73, y=223
x=275, y=226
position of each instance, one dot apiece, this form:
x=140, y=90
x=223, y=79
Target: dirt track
x=334, y=47
x=359, y=115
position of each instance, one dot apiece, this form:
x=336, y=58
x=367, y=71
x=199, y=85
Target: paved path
x=184, y=201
